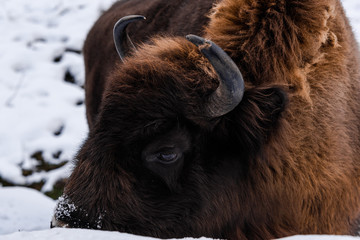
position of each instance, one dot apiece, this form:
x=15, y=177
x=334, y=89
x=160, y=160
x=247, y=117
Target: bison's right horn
x=120, y=34
x=231, y=84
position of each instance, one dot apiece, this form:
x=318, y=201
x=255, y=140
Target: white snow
x=321, y=237
x=24, y=209
x=76, y=234
x=352, y=9
x=40, y=112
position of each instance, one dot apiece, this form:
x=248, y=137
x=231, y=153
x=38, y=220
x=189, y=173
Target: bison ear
x=254, y=120
x=120, y=35
x=267, y=104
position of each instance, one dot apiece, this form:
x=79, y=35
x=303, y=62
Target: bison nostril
x=56, y=223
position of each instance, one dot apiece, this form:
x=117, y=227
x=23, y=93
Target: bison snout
x=56, y=223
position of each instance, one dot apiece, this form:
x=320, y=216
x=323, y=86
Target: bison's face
x=156, y=163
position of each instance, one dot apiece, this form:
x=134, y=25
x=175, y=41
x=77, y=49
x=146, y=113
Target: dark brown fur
x=284, y=161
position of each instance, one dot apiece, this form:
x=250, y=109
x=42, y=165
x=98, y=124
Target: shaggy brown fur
x=284, y=161
x=309, y=46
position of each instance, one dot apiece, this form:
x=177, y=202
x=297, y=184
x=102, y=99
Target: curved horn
x=231, y=84
x=120, y=34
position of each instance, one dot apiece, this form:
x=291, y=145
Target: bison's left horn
x=231, y=84
x=120, y=34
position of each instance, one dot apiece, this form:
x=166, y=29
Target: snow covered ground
x=72, y=234
x=42, y=115
x=41, y=99
x=24, y=209
x=76, y=234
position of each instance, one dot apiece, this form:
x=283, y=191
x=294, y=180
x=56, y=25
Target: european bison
x=252, y=135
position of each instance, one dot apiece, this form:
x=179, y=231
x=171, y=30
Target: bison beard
x=160, y=160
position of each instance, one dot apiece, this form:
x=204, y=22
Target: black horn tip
x=130, y=18
x=119, y=32
x=198, y=41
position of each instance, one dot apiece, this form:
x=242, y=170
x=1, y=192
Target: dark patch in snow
x=56, y=155
x=35, y=41
x=57, y=59
x=79, y=102
x=27, y=172
x=69, y=77
x=38, y=155
x=64, y=39
x=69, y=50
x=73, y=50
x=65, y=11
x=43, y=165
x=59, y=130
x=5, y=183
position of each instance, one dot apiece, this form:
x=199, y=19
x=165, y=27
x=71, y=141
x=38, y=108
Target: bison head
x=173, y=149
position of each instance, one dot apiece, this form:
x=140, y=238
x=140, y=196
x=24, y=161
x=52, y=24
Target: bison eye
x=164, y=156
x=167, y=157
